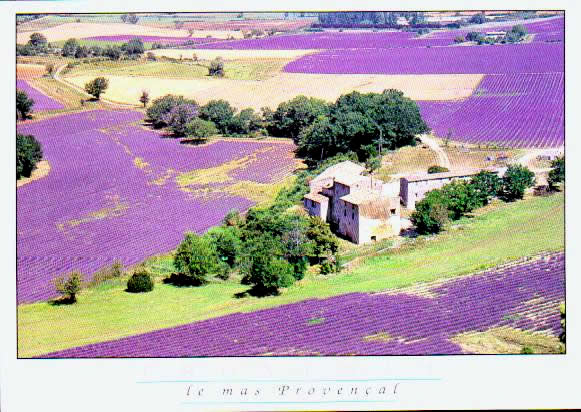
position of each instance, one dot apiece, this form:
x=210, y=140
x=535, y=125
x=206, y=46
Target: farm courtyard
x=172, y=156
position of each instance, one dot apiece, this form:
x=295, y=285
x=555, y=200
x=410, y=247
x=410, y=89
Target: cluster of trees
x=130, y=18
x=28, y=154
x=184, y=117
x=515, y=35
x=458, y=198
x=360, y=123
x=37, y=44
x=132, y=49
x=271, y=248
x=369, y=19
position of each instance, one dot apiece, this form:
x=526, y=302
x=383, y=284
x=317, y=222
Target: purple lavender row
x=347, y=324
x=42, y=102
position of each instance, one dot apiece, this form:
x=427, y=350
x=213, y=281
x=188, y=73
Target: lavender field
x=112, y=193
x=42, y=102
x=497, y=59
x=416, y=321
x=516, y=110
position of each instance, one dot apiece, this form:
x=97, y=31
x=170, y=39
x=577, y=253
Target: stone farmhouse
x=363, y=209
x=413, y=188
x=357, y=207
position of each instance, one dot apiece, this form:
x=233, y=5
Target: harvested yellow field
x=285, y=86
x=209, y=54
x=29, y=71
x=81, y=30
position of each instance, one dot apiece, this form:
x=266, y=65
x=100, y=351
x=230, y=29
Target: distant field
x=161, y=71
x=227, y=54
x=29, y=71
x=81, y=30
x=536, y=225
x=285, y=86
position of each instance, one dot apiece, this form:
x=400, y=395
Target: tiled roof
x=317, y=197
x=445, y=175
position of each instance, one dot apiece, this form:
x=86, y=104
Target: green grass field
x=504, y=232
x=236, y=70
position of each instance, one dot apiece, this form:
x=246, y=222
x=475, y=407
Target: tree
x=133, y=47
x=372, y=164
x=161, y=106
x=113, y=52
x=216, y=68
x=130, y=18
x=81, y=52
x=219, y=112
x=460, y=198
x=473, y=36
x=478, y=18
x=486, y=186
x=196, y=257
x=557, y=173
x=49, y=67
x=296, y=247
x=144, y=98
x=69, y=287
x=292, y=116
x=227, y=242
x=200, y=129
x=431, y=213
x=268, y=272
x=325, y=243
x=515, y=181
x=28, y=154
x=23, y=104
x=179, y=116
x=38, y=42
x=96, y=87
x=245, y=122
x=70, y=48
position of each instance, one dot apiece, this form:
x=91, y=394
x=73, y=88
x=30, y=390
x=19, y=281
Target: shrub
x=115, y=271
x=140, y=282
x=562, y=336
x=38, y=42
x=28, y=154
x=97, y=86
x=196, y=257
x=113, y=52
x=81, y=52
x=220, y=112
x=459, y=39
x=526, y=350
x=460, y=198
x=216, y=68
x=478, y=18
x=486, y=186
x=23, y=104
x=179, y=116
x=292, y=116
x=557, y=173
x=437, y=169
x=515, y=181
x=201, y=129
x=431, y=213
x=69, y=286
x=474, y=36
x=49, y=69
x=245, y=122
x=324, y=241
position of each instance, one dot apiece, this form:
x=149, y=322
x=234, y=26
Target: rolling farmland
x=416, y=321
x=85, y=213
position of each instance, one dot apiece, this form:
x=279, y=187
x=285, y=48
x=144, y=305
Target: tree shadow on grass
x=181, y=280
x=256, y=293
x=67, y=300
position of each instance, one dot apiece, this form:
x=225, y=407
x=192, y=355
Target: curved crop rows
x=421, y=322
x=113, y=193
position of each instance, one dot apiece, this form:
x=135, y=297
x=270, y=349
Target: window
x=374, y=238
x=393, y=211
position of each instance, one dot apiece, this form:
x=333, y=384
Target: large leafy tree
x=292, y=116
x=133, y=47
x=220, y=112
x=196, y=257
x=96, y=87
x=557, y=173
x=70, y=48
x=515, y=181
x=160, y=107
x=23, y=104
x=28, y=154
